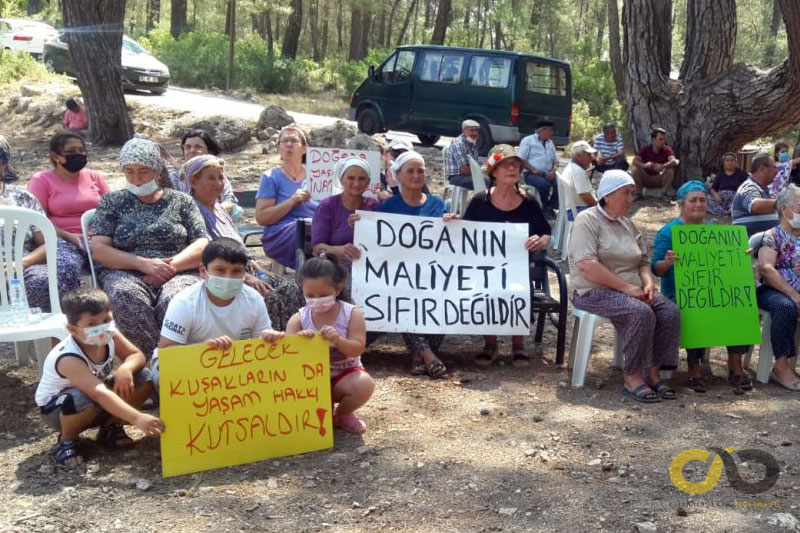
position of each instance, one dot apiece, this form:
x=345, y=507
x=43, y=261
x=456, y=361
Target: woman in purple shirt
x=724, y=186
x=332, y=226
x=283, y=197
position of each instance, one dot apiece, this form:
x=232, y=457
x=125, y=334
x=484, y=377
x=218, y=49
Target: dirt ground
x=500, y=449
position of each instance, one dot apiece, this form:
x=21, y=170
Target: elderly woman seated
x=334, y=219
x=610, y=273
x=692, y=202
x=779, y=292
x=409, y=168
x=149, y=241
x=199, y=142
x=724, y=186
x=504, y=201
x=283, y=197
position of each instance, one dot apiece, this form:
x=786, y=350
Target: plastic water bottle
x=19, y=307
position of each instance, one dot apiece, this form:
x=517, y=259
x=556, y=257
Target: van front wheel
x=368, y=121
x=428, y=140
x=485, y=141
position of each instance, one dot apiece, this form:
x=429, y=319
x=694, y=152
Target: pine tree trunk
x=291, y=37
x=388, y=42
x=601, y=29
x=153, y=14
x=366, y=27
x=339, y=25
x=178, y=18
x=775, y=24
x=34, y=6
x=96, y=55
x=313, y=29
x=228, y=15
x=442, y=21
x=716, y=106
x=270, y=37
x=614, y=50
x=355, y=33
x=404, y=28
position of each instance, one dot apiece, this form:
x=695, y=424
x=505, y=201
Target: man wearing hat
x=456, y=155
x=541, y=161
x=577, y=187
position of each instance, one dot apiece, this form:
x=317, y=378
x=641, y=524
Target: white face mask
x=143, y=190
x=795, y=221
x=99, y=335
x=224, y=288
x=322, y=304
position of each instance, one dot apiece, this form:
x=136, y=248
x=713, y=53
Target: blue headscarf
x=691, y=186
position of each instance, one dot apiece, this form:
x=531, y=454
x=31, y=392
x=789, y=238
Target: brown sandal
x=488, y=355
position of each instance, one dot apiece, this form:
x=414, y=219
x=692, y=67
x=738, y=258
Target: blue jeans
x=617, y=164
x=548, y=192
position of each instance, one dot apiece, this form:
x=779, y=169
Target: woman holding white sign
x=283, y=197
x=693, y=198
x=409, y=168
x=504, y=201
x=779, y=292
x=611, y=277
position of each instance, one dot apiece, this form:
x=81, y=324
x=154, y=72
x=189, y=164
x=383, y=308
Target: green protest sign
x=714, y=286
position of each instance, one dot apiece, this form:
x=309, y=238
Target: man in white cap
x=456, y=155
x=541, y=161
x=578, y=189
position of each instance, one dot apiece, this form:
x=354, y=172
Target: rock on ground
x=230, y=133
x=275, y=117
x=334, y=136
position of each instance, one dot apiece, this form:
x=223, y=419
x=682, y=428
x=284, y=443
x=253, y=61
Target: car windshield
x=132, y=47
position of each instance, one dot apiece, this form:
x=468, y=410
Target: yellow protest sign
x=250, y=403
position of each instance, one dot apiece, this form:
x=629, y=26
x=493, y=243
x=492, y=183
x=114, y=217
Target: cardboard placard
x=319, y=168
x=714, y=286
x=422, y=275
x=250, y=403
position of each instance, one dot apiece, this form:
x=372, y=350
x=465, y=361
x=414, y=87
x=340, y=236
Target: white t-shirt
x=193, y=319
x=576, y=182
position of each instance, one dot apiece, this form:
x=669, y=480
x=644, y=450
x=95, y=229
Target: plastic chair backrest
x=14, y=224
x=755, y=243
x=87, y=219
x=478, y=182
x=561, y=183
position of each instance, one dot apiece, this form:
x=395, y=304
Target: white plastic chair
x=478, y=180
x=581, y=347
x=459, y=196
x=86, y=223
x=566, y=223
x=52, y=324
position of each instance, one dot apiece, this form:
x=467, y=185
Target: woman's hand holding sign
x=535, y=243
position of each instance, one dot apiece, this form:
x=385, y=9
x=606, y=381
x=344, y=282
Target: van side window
x=398, y=67
x=545, y=79
x=442, y=68
x=485, y=71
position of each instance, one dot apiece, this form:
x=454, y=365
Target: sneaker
x=350, y=423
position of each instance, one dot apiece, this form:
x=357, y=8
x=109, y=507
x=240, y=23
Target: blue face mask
x=783, y=157
x=143, y=190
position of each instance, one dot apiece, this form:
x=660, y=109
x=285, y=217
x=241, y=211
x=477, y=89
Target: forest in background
x=301, y=46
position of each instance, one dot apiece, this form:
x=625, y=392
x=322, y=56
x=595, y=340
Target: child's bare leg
x=71, y=428
x=353, y=391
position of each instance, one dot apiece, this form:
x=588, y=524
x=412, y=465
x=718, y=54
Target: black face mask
x=74, y=162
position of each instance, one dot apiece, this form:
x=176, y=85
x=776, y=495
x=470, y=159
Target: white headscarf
x=404, y=158
x=613, y=180
x=341, y=167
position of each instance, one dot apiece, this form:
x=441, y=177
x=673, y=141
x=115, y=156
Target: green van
x=429, y=90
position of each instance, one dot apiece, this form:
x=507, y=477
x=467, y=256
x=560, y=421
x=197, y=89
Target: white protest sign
x=422, y=275
x=319, y=169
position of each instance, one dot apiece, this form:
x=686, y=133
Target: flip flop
x=664, y=390
x=418, y=366
x=640, y=394
x=488, y=355
x=793, y=387
x=519, y=358
x=697, y=385
x=435, y=369
x=740, y=381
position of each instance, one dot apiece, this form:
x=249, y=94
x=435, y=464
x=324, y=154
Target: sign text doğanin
x=714, y=286
x=422, y=275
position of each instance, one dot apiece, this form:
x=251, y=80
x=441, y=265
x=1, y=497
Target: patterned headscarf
x=198, y=163
x=9, y=174
x=691, y=186
x=138, y=151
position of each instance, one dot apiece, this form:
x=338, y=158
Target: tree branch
x=710, y=39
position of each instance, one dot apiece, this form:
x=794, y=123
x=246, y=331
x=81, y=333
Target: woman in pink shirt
x=75, y=118
x=66, y=192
